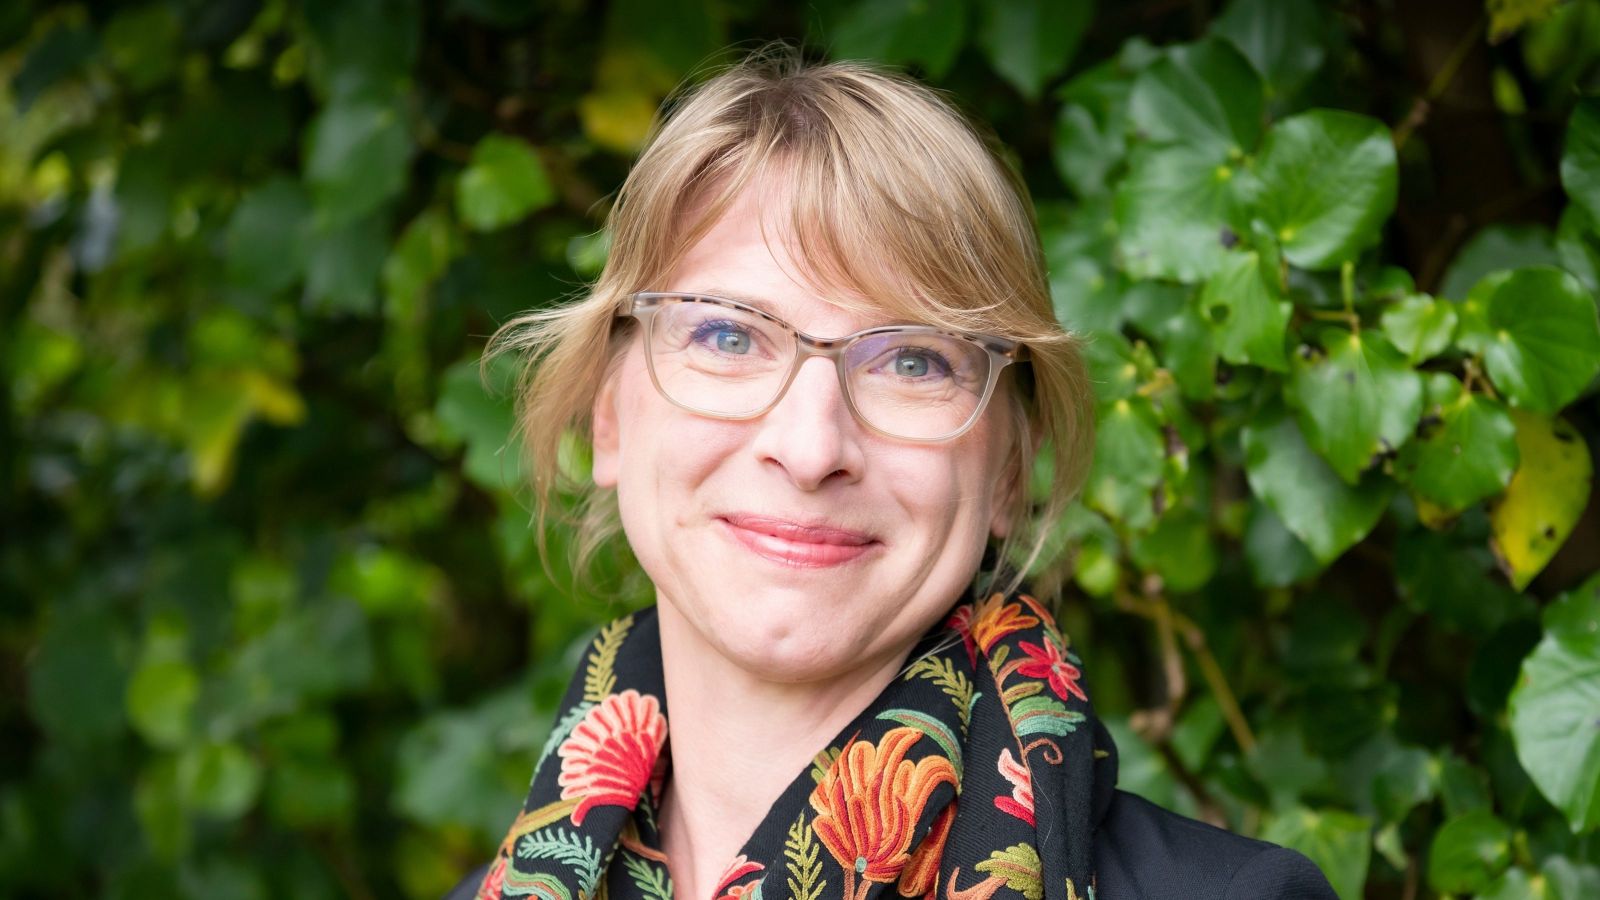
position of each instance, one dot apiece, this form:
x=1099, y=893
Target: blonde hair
x=896, y=197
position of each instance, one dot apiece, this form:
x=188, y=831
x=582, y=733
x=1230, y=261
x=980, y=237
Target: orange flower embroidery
x=869, y=802
x=610, y=756
x=995, y=619
x=920, y=877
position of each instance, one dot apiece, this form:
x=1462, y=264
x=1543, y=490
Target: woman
x=815, y=374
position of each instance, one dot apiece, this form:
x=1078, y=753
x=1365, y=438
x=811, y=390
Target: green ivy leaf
x=1328, y=181
x=1277, y=558
x=342, y=270
x=1468, y=853
x=1340, y=843
x=1466, y=447
x=161, y=698
x=1113, y=370
x=1086, y=151
x=1128, y=462
x=1284, y=39
x=1297, y=484
x=1179, y=549
x=1356, y=401
x=1177, y=214
x=926, y=32
x=1167, y=315
x=1030, y=41
x=1580, y=158
x=1578, y=246
x=1495, y=248
x=1204, y=96
x=1247, y=315
x=484, y=422
x=504, y=182
x=1545, y=498
x=1554, y=707
x=357, y=153
x=1419, y=326
x=1538, y=332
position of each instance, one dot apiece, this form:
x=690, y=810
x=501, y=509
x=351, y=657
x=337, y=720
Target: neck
x=737, y=742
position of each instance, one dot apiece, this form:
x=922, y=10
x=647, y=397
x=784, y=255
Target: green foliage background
x=273, y=624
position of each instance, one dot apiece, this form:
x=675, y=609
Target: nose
x=810, y=434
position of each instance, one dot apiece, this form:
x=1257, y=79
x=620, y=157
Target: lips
x=798, y=544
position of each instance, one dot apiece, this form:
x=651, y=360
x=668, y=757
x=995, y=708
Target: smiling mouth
x=796, y=544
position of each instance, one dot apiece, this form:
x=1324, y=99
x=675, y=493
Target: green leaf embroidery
x=823, y=762
x=567, y=848
x=1019, y=867
x=601, y=678
x=955, y=684
x=651, y=880
x=933, y=728
x=805, y=871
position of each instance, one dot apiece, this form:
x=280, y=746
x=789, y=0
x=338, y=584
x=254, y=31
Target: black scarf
x=981, y=769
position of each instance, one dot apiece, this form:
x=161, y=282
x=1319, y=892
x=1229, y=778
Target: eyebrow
x=767, y=307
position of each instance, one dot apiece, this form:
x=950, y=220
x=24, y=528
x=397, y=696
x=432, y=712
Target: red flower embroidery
x=961, y=622
x=610, y=756
x=994, y=619
x=1047, y=662
x=739, y=868
x=1020, y=803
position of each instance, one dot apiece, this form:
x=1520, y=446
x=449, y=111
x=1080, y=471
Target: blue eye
x=726, y=337
x=919, y=363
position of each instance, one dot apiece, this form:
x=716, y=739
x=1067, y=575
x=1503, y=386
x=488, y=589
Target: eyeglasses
x=725, y=359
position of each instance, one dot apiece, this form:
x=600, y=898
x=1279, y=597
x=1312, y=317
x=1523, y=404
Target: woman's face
x=799, y=545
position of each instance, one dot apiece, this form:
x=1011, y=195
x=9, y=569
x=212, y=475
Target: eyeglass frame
x=1002, y=352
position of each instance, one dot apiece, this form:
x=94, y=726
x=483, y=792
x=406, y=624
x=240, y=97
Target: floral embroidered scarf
x=979, y=772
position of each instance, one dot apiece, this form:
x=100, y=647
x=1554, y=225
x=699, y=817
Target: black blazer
x=1144, y=852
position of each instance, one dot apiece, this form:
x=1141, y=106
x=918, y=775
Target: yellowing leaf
x=617, y=120
x=1507, y=17
x=1544, y=499
x=277, y=402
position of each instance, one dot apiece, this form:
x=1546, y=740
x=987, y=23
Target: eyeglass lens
x=726, y=361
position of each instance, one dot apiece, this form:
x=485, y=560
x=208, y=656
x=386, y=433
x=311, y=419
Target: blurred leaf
x=76, y=677
x=1468, y=853
x=1297, y=484
x=504, y=182
x=1179, y=549
x=1578, y=247
x=357, y=154
x=1580, y=158
x=1113, y=371
x=219, y=779
x=363, y=47
x=1466, y=446
x=1085, y=152
x=1247, y=315
x=1553, y=707
x=1338, y=842
x=1356, y=400
x=1495, y=248
x=60, y=53
x=142, y=44
x=1328, y=183
x=926, y=32
x=267, y=236
x=1204, y=96
x=1538, y=333
x=1030, y=41
x=1545, y=498
x=1507, y=17
x=1283, y=39
x=161, y=696
x=345, y=263
x=484, y=422
x=1277, y=558
x=1419, y=326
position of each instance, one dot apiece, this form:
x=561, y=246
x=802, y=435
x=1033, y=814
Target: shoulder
x=1146, y=852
